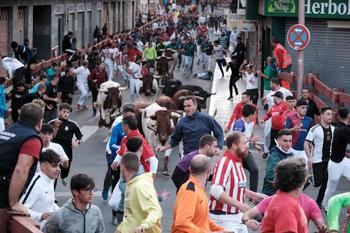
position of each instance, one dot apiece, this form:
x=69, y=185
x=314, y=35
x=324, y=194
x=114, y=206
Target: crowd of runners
x=302, y=145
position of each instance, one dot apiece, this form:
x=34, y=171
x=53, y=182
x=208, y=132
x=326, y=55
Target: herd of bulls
x=158, y=118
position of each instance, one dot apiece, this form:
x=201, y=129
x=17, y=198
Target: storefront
x=329, y=25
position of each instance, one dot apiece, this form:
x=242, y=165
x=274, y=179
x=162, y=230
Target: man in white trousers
x=339, y=163
x=82, y=74
x=134, y=74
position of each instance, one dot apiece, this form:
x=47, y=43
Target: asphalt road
x=89, y=158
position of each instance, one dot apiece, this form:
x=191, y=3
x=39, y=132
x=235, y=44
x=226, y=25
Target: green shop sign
x=330, y=9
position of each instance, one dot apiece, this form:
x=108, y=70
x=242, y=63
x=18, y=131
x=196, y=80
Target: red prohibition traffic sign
x=298, y=36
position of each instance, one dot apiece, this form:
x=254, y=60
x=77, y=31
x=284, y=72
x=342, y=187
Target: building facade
x=329, y=24
x=45, y=22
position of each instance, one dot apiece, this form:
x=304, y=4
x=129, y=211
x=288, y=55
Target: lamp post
x=300, y=53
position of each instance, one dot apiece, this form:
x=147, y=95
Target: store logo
x=327, y=8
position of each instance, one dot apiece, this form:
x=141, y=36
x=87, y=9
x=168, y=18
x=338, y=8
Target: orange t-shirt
x=284, y=214
x=191, y=211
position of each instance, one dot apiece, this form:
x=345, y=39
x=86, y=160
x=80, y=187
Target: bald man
x=191, y=206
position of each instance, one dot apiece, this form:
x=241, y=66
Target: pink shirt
x=310, y=207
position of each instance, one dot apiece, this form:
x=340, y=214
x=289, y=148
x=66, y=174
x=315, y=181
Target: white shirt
x=219, y=52
x=154, y=26
x=252, y=81
x=269, y=97
x=316, y=135
x=11, y=64
x=82, y=74
x=39, y=197
x=58, y=149
x=139, y=46
x=136, y=69
x=233, y=36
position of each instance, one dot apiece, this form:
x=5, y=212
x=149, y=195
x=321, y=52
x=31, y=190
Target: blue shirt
x=3, y=106
x=191, y=128
x=116, y=138
x=300, y=135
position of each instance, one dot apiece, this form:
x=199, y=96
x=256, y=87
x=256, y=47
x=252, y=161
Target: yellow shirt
x=141, y=205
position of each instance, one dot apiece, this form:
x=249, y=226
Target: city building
x=45, y=22
x=329, y=24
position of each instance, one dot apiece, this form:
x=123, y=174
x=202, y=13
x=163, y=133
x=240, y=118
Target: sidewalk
x=220, y=107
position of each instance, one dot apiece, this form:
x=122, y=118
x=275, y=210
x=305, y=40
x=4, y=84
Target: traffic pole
x=300, y=74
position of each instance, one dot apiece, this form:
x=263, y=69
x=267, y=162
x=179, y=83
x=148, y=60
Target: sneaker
x=230, y=98
x=114, y=221
x=85, y=107
x=105, y=195
x=64, y=181
x=78, y=106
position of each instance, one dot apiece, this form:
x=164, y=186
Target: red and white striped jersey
x=230, y=175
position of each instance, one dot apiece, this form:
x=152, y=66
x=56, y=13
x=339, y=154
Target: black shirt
x=51, y=91
x=327, y=140
x=312, y=109
x=341, y=138
x=66, y=85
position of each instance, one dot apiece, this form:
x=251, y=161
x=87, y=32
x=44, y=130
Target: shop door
x=4, y=35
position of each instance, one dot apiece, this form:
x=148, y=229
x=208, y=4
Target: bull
x=148, y=86
x=171, y=87
x=109, y=102
x=200, y=92
x=158, y=120
x=181, y=95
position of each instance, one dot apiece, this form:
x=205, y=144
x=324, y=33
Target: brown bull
x=110, y=105
x=158, y=124
x=149, y=85
x=179, y=98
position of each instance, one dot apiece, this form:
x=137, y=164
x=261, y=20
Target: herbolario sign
x=330, y=9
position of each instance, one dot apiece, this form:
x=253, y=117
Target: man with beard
x=66, y=129
x=226, y=204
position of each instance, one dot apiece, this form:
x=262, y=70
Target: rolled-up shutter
x=328, y=53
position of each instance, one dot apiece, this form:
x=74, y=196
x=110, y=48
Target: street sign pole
x=300, y=74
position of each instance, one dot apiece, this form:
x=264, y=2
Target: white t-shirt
x=317, y=135
x=219, y=52
x=82, y=74
x=136, y=69
x=269, y=97
x=11, y=64
x=56, y=148
x=252, y=81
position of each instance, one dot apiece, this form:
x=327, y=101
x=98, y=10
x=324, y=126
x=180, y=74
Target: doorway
x=42, y=30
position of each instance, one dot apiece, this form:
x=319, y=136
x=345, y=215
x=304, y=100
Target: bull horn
x=174, y=114
x=199, y=98
x=214, y=93
x=157, y=76
x=182, y=97
x=116, y=114
x=123, y=88
x=181, y=112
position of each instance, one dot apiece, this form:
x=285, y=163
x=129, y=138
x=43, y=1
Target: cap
x=278, y=94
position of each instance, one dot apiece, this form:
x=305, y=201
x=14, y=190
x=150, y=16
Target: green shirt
x=335, y=205
x=271, y=73
x=149, y=53
x=189, y=49
x=172, y=46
